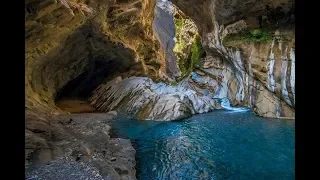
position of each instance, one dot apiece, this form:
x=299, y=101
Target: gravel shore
x=77, y=146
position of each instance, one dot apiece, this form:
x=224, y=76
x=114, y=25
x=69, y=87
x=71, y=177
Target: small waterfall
x=225, y=103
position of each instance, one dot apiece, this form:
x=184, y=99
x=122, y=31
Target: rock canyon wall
x=72, y=46
x=248, y=58
x=157, y=59
x=254, y=42
x=203, y=51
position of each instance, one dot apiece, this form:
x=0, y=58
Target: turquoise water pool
x=217, y=145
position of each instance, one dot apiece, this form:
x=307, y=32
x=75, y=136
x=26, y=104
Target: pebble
x=65, y=170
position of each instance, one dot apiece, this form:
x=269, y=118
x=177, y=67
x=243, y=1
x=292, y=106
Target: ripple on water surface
x=217, y=145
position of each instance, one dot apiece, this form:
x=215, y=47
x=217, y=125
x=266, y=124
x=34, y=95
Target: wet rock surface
x=151, y=101
x=77, y=146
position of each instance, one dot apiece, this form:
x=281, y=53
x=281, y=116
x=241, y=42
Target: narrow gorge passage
x=227, y=63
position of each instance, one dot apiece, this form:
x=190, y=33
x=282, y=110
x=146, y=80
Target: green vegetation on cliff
x=196, y=50
x=180, y=42
x=188, y=47
x=173, y=83
x=247, y=36
x=179, y=25
x=192, y=59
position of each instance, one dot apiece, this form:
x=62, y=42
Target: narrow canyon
x=87, y=61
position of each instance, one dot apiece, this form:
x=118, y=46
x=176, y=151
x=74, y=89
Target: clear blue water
x=218, y=145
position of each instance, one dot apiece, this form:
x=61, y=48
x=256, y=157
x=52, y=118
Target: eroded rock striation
x=73, y=46
x=149, y=100
x=254, y=41
x=249, y=52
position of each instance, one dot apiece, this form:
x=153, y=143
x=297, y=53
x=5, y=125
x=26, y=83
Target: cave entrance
x=73, y=97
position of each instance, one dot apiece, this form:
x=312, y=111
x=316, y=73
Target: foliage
x=179, y=46
x=248, y=36
x=179, y=25
x=257, y=35
x=188, y=51
x=195, y=51
x=173, y=83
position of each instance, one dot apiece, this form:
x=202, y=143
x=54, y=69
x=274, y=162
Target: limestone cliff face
x=177, y=34
x=48, y=24
x=164, y=30
x=255, y=70
x=259, y=75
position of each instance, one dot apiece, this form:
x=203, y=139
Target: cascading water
x=225, y=103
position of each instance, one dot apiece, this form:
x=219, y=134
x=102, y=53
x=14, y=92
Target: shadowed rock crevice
x=85, y=60
x=98, y=70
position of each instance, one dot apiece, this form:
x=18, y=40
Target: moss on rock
x=188, y=47
x=196, y=51
x=258, y=35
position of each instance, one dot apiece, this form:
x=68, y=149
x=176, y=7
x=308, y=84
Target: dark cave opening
x=82, y=86
x=73, y=96
x=102, y=60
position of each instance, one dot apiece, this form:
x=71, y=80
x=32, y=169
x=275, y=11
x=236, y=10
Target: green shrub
x=173, y=83
x=179, y=25
x=257, y=35
x=195, y=51
x=248, y=36
x=187, y=61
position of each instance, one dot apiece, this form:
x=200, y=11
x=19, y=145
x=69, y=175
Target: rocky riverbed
x=77, y=146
